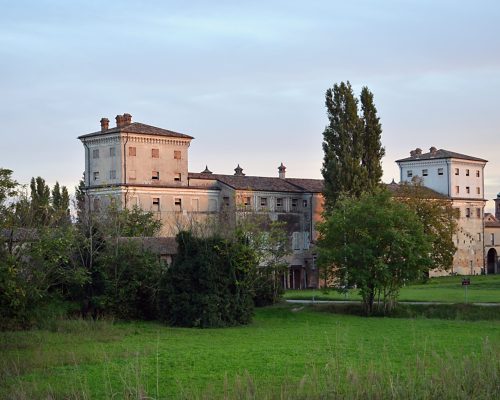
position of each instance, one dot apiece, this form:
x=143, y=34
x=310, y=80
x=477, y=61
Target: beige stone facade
x=138, y=164
x=459, y=178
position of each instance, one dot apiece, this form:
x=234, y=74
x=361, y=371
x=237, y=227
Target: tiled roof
x=490, y=221
x=440, y=154
x=138, y=128
x=264, y=184
x=399, y=190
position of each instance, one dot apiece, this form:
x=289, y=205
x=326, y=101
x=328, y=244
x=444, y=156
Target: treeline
x=51, y=266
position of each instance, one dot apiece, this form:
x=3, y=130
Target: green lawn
x=80, y=359
x=443, y=289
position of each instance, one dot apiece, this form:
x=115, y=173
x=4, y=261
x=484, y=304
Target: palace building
x=138, y=164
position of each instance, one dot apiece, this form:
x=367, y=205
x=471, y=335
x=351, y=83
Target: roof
x=263, y=184
x=490, y=221
x=401, y=190
x=440, y=154
x=156, y=245
x=139, y=128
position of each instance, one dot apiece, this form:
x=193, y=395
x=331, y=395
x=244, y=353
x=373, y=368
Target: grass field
x=287, y=352
x=443, y=289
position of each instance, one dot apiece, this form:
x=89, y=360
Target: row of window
x=132, y=152
x=264, y=202
x=440, y=171
x=469, y=212
x=467, y=190
x=155, y=175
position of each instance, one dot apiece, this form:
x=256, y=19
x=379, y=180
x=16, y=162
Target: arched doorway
x=492, y=262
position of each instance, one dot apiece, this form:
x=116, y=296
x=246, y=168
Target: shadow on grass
x=465, y=312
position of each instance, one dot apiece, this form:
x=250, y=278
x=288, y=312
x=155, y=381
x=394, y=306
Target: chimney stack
x=418, y=151
x=238, y=171
x=281, y=171
x=433, y=151
x=127, y=119
x=104, y=124
x=119, y=121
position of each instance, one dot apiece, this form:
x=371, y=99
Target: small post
x=465, y=283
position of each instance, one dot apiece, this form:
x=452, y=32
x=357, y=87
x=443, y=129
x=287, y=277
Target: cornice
x=132, y=138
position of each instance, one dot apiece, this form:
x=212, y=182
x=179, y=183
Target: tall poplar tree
x=351, y=145
x=342, y=170
x=372, y=147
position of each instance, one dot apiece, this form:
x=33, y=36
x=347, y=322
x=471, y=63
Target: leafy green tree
x=373, y=151
x=342, y=145
x=376, y=244
x=208, y=283
x=40, y=201
x=351, y=145
x=438, y=218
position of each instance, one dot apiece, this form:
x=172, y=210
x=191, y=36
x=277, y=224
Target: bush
x=209, y=283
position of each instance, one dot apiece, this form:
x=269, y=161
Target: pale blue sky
x=246, y=79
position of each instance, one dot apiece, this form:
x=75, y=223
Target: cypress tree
x=372, y=146
x=56, y=197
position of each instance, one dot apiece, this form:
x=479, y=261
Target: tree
x=351, y=145
x=373, y=151
x=40, y=201
x=438, y=218
x=208, y=283
x=376, y=244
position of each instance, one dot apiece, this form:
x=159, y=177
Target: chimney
x=281, y=171
x=433, y=151
x=104, y=124
x=412, y=153
x=238, y=171
x=418, y=151
x=119, y=121
x=127, y=119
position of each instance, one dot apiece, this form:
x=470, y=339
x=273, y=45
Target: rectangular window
x=440, y=171
x=295, y=203
x=492, y=239
x=95, y=153
x=457, y=189
x=478, y=190
x=457, y=171
x=279, y=202
x=409, y=173
x=467, y=212
x=467, y=172
x=467, y=189
x=155, y=153
x=112, y=151
x=247, y=201
x=177, y=155
x=479, y=237
x=458, y=212
x=132, y=151
x=178, y=204
x=295, y=241
x=112, y=174
x=225, y=199
x=478, y=173
x=156, y=204
x=263, y=202
x=304, y=203
x=478, y=212
x=177, y=177
x=96, y=176
x=425, y=172
x=155, y=175
x=131, y=175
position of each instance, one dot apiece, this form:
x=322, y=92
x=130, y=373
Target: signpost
x=465, y=283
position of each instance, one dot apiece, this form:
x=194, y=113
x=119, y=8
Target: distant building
x=461, y=179
x=139, y=164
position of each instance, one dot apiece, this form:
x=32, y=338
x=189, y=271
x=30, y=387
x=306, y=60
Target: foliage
x=376, y=244
x=133, y=222
x=208, y=284
x=351, y=144
x=438, y=218
x=131, y=280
